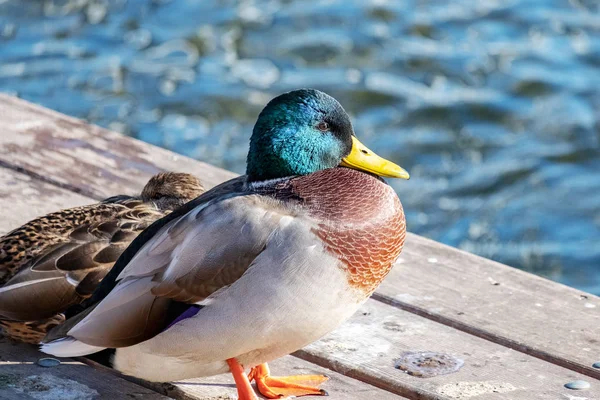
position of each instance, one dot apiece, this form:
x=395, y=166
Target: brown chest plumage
x=363, y=222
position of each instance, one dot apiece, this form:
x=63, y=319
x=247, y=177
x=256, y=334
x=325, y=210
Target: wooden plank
x=85, y=158
x=499, y=303
x=21, y=378
x=553, y=322
x=222, y=387
x=370, y=343
x=23, y=198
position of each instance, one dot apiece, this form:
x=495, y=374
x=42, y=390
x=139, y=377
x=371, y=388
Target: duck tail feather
x=69, y=347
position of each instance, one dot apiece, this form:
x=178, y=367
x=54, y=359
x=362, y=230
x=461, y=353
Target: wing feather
x=65, y=263
x=191, y=258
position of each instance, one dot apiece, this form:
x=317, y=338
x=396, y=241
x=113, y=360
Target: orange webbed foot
x=276, y=387
x=242, y=383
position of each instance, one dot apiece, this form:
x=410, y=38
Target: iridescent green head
x=305, y=131
x=298, y=133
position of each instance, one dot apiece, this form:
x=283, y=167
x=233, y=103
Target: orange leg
x=276, y=387
x=244, y=388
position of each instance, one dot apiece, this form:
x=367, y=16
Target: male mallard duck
x=57, y=260
x=257, y=267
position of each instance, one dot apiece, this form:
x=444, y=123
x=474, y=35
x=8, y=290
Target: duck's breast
x=360, y=220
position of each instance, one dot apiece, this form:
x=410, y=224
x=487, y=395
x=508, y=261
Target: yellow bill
x=363, y=159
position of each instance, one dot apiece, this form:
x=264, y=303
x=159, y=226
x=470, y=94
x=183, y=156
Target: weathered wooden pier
x=462, y=327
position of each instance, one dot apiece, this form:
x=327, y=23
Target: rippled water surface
x=493, y=106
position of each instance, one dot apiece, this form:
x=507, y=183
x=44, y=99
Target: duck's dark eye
x=323, y=126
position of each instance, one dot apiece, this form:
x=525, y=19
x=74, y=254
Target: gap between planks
x=22, y=378
x=45, y=179
x=501, y=340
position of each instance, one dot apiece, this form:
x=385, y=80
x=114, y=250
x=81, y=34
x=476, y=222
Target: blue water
x=493, y=106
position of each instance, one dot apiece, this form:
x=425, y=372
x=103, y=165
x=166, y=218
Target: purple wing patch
x=189, y=313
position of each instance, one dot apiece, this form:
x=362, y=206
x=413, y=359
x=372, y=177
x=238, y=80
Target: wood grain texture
x=21, y=378
x=23, y=198
x=367, y=346
x=499, y=303
x=86, y=158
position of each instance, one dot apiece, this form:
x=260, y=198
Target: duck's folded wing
x=69, y=270
x=190, y=260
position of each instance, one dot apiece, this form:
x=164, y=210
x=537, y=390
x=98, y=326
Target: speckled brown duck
x=57, y=260
x=256, y=268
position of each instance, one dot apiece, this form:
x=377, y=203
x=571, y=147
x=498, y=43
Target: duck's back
x=57, y=260
x=37, y=237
